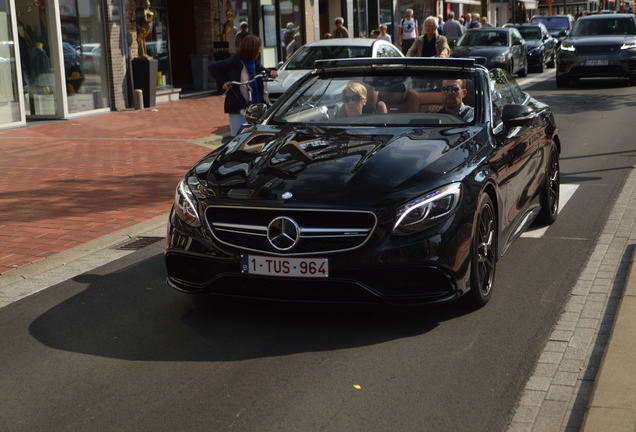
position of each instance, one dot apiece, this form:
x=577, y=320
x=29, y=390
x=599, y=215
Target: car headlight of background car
x=427, y=210
x=536, y=51
x=185, y=202
x=500, y=58
x=628, y=45
x=568, y=47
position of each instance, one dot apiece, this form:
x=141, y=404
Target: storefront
x=54, y=64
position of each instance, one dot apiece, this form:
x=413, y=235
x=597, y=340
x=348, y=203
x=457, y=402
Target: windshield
x=530, y=33
x=484, y=38
x=304, y=59
x=604, y=27
x=413, y=99
x=553, y=23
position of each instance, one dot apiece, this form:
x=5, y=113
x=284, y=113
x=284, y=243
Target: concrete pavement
x=72, y=189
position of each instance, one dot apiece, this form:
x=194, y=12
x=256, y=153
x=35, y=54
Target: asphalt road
x=115, y=349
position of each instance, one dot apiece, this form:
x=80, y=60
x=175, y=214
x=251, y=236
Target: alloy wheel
x=554, y=184
x=486, y=250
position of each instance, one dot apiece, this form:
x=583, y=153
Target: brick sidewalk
x=69, y=182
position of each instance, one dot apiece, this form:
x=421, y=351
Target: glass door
x=39, y=57
x=10, y=112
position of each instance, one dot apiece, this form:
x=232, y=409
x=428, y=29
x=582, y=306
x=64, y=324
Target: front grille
x=321, y=231
x=597, y=49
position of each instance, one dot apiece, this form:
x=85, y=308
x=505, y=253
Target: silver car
x=302, y=61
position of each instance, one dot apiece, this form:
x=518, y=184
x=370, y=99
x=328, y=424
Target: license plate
x=596, y=62
x=285, y=267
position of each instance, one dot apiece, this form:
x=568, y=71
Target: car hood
x=479, y=51
x=533, y=43
x=599, y=40
x=285, y=80
x=335, y=166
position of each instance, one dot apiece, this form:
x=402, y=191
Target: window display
x=83, y=49
x=9, y=102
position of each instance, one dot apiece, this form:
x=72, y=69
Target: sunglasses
x=452, y=88
x=351, y=98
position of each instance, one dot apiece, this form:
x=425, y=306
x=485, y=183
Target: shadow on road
x=582, y=96
x=122, y=316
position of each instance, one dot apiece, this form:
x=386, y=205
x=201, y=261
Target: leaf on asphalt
x=357, y=387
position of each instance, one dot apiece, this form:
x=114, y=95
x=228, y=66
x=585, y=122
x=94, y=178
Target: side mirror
x=563, y=33
x=280, y=64
x=517, y=115
x=516, y=42
x=255, y=112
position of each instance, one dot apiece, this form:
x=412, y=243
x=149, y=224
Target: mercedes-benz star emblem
x=283, y=233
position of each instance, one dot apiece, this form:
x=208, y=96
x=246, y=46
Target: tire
x=524, y=72
x=483, y=254
x=632, y=80
x=552, y=62
x=541, y=66
x=550, y=191
x=561, y=81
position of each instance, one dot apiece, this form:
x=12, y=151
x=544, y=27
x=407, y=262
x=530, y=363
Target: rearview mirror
x=517, y=115
x=255, y=112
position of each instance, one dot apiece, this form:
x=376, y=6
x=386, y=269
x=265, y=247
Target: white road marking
x=566, y=191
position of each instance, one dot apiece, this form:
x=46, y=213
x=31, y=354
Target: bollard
x=138, y=99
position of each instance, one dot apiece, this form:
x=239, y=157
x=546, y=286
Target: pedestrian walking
x=243, y=31
x=431, y=43
x=408, y=31
x=468, y=18
x=475, y=24
x=242, y=67
x=383, y=33
x=484, y=22
x=340, y=30
x=453, y=30
x=440, y=27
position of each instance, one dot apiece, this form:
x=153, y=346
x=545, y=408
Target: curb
x=612, y=406
x=65, y=257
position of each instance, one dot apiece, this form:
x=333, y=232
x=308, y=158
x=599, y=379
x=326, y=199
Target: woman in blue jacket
x=242, y=66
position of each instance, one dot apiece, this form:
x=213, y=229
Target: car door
x=520, y=148
x=518, y=49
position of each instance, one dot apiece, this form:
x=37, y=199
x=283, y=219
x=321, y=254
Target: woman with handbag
x=241, y=67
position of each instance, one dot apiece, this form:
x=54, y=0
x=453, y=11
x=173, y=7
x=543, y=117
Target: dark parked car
x=399, y=180
x=540, y=45
x=599, y=46
x=559, y=26
x=501, y=47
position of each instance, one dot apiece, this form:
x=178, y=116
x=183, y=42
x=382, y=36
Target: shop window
x=157, y=45
x=9, y=105
x=84, y=52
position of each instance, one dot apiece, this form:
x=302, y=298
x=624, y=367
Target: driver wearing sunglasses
x=354, y=98
x=453, y=92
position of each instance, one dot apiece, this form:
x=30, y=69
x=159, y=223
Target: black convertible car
x=398, y=180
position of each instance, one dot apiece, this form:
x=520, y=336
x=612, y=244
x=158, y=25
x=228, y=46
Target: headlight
x=424, y=211
x=535, y=51
x=185, y=203
x=568, y=47
x=628, y=45
x=500, y=58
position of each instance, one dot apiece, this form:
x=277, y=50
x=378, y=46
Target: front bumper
x=427, y=268
x=574, y=65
